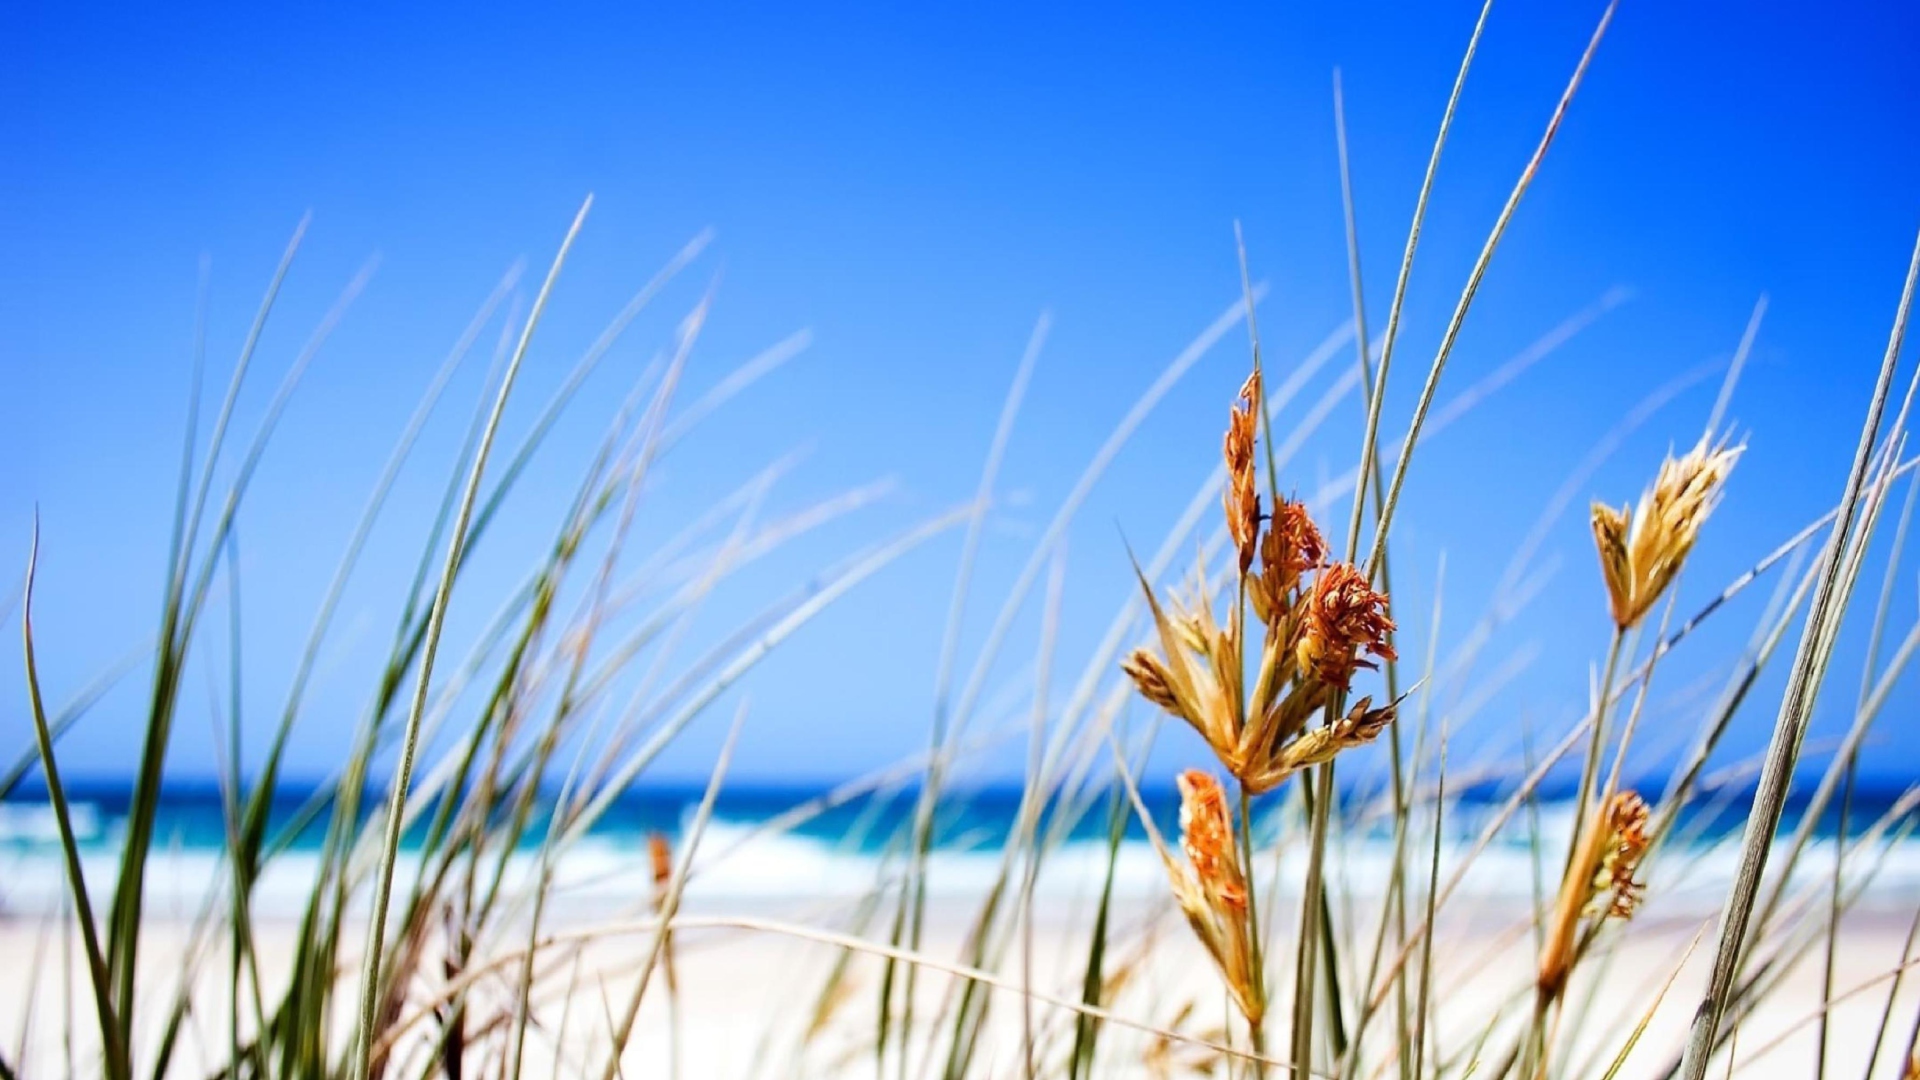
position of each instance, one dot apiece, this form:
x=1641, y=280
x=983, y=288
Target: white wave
x=739, y=865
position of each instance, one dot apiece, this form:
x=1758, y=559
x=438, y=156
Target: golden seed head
x=1362, y=724
x=1641, y=550
x=1599, y=882
x=1150, y=676
x=1242, y=499
x=1345, y=618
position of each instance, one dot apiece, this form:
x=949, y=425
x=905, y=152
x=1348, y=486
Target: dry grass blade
x=1467, y=294
x=670, y=903
x=1893, y=992
x=1796, y=706
x=1639, y=1029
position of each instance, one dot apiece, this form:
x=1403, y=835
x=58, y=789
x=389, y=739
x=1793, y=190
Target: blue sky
x=914, y=188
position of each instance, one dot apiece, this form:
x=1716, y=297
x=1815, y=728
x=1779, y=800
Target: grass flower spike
x=1642, y=549
x=1600, y=883
x=1319, y=623
x=1345, y=618
x=1242, y=499
x=1212, y=888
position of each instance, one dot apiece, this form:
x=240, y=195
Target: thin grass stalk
x=383, y=880
x=1396, y=883
x=1049, y=634
x=255, y=828
x=912, y=898
x=1022, y=846
x=1874, y=637
x=1370, y=434
x=123, y=929
x=676, y=886
x=1467, y=294
x=1596, y=747
x=113, y=1031
x=1776, y=969
x=1316, y=853
x=1086, y=1032
x=1029, y=575
x=1422, y=1013
x=1893, y=992
x=1862, y=721
x=1834, y=914
x=1394, y=900
x=631, y=480
x=1790, y=727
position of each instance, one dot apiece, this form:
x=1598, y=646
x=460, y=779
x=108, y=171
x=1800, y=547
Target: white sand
x=743, y=996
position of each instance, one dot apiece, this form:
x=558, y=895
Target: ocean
x=754, y=852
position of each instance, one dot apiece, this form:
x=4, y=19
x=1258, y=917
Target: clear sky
x=915, y=188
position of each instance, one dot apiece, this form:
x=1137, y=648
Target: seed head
x=1292, y=547
x=1152, y=679
x=660, y=853
x=1642, y=549
x=1614, y=891
x=1242, y=499
x=1362, y=724
x=1599, y=883
x=1206, y=834
x=1212, y=889
x=1345, y=618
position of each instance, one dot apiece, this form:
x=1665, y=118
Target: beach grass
x=432, y=940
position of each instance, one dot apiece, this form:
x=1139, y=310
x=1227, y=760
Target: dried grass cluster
x=1320, y=622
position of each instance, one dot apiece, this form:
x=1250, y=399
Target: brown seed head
x=1212, y=889
x=1599, y=882
x=1206, y=834
x=1345, y=618
x=1614, y=889
x=660, y=852
x=1242, y=499
x=1292, y=546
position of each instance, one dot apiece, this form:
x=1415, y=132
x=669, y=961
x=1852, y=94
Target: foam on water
x=740, y=863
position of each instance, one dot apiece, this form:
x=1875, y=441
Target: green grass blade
x=383, y=880
x=113, y=1034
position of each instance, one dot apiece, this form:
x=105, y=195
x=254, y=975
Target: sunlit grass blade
x=383, y=881
x=1790, y=728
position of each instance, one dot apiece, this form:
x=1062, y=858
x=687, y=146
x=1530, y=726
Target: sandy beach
x=744, y=990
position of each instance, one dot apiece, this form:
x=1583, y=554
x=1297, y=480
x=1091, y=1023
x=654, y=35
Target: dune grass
x=1281, y=652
